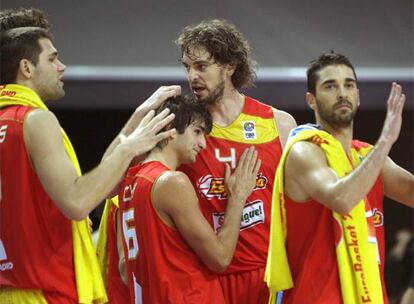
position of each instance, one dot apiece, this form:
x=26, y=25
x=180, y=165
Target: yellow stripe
x=20, y=296
x=265, y=130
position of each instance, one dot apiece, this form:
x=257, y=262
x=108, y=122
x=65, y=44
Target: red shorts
x=245, y=287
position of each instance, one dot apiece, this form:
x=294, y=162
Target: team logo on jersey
x=3, y=257
x=210, y=186
x=378, y=218
x=249, y=130
x=316, y=139
x=253, y=214
x=7, y=93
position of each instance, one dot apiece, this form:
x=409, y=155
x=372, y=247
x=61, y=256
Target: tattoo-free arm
x=77, y=195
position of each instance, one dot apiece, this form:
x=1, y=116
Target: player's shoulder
x=38, y=118
x=304, y=153
x=173, y=190
x=284, y=118
x=173, y=181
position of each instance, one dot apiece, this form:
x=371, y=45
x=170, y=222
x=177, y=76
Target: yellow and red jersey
x=255, y=126
x=312, y=235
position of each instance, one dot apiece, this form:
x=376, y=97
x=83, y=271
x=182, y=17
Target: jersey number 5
x=130, y=234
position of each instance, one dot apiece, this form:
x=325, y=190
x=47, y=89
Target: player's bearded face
x=214, y=93
x=341, y=114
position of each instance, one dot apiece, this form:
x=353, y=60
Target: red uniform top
x=310, y=246
x=254, y=126
x=36, y=249
x=162, y=268
x=118, y=292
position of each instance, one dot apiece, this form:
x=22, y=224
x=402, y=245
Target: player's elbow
x=75, y=211
x=341, y=206
x=219, y=265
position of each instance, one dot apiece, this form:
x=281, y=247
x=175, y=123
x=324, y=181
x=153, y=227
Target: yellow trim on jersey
x=10, y=295
x=263, y=131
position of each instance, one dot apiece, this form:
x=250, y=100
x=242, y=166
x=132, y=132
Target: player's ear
x=310, y=100
x=25, y=68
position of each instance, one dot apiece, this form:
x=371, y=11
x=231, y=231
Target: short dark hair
x=187, y=111
x=20, y=31
x=225, y=44
x=324, y=60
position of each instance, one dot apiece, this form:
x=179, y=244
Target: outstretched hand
x=241, y=183
x=158, y=97
x=393, y=119
x=147, y=134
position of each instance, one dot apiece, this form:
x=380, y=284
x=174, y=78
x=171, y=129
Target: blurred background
x=119, y=52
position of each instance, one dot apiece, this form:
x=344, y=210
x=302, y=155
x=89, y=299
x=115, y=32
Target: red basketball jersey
x=36, y=249
x=310, y=246
x=255, y=126
x=162, y=268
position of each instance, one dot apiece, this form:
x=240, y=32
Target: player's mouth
x=197, y=90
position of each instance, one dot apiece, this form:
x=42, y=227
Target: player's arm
x=77, y=195
x=307, y=174
x=121, y=256
x=152, y=103
x=174, y=197
x=398, y=183
x=284, y=122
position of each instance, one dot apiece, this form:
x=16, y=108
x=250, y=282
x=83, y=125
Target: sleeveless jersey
x=36, y=249
x=118, y=292
x=255, y=126
x=162, y=268
x=310, y=246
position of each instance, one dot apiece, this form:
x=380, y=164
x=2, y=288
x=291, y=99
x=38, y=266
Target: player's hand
x=393, y=119
x=241, y=183
x=158, y=97
x=147, y=134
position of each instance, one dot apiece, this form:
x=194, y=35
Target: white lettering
x=227, y=159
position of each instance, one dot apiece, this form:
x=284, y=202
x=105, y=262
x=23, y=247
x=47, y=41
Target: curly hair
x=20, y=31
x=324, y=60
x=225, y=44
x=187, y=111
x=25, y=17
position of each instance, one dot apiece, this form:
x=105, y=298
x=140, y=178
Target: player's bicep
x=44, y=142
x=307, y=174
x=177, y=199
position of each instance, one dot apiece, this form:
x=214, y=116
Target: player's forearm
x=90, y=189
x=229, y=231
x=349, y=190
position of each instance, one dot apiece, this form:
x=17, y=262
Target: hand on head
x=147, y=134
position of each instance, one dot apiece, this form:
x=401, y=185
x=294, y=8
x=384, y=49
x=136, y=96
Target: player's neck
x=165, y=156
x=228, y=108
x=343, y=134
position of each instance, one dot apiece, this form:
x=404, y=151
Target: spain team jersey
x=255, y=126
x=161, y=267
x=310, y=246
x=35, y=237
